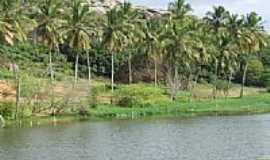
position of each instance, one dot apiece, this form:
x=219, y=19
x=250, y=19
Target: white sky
x=200, y=7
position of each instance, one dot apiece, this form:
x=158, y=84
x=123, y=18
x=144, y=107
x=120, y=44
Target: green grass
x=222, y=106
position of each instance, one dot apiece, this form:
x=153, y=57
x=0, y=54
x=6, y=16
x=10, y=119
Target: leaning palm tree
x=76, y=30
x=48, y=17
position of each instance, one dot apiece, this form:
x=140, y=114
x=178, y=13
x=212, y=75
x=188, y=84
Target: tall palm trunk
x=216, y=78
x=18, y=88
x=50, y=65
x=112, y=72
x=76, y=69
x=229, y=84
x=244, y=77
x=130, y=68
x=156, y=76
x=89, y=68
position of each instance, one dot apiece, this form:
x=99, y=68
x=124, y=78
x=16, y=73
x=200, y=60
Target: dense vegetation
x=174, y=50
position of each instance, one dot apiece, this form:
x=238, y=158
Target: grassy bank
x=129, y=102
x=231, y=106
x=258, y=104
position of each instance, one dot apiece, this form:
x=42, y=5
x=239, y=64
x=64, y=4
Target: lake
x=201, y=138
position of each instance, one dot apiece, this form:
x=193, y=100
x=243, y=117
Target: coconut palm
x=48, y=17
x=153, y=43
x=253, y=40
x=131, y=28
x=179, y=8
x=12, y=22
x=76, y=30
x=217, y=20
x=118, y=32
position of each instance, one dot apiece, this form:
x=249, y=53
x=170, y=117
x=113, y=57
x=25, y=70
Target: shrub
x=128, y=101
x=265, y=78
x=254, y=72
x=93, y=97
x=7, y=109
x=140, y=95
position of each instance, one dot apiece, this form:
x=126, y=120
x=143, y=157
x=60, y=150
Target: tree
x=217, y=20
x=77, y=31
x=153, y=43
x=132, y=24
x=253, y=40
x=13, y=27
x=12, y=22
x=180, y=44
x=49, y=22
x=117, y=32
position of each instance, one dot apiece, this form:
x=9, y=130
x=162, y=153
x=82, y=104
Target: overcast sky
x=200, y=7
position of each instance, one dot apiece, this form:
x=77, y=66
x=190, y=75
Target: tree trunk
x=18, y=90
x=76, y=69
x=50, y=65
x=156, y=76
x=112, y=72
x=216, y=78
x=130, y=68
x=229, y=84
x=243, y=81
x=89, y=68
x=175, y=83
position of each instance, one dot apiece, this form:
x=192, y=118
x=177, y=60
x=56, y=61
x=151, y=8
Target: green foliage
x=265, y=78
x=7, y=109
x=230, y=106
x=140, y=95
x=5, y=74
x=93, y=97
x=254, y=72
x=222, y=85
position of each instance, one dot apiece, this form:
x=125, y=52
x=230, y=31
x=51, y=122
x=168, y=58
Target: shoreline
x=253, y=105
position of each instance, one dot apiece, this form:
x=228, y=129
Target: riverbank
x=223, y=106
x=129, y=102
x=258, y=104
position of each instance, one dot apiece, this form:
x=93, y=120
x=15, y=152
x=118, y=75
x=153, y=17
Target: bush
x=5, y=74
x=265, y=78
x=254, y=72
x=128, y=101
x=140, y=95
x=7, y=109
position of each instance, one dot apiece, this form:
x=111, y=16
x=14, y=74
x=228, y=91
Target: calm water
x=204, y=138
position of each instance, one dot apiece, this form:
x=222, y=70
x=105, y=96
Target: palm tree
x=117, y=32
x=217, y=20
x=132, y=28
x=179, y=8
x=77, y=31
x=253, y=40
x=14, y=25
x=153, y=43
x=12, y=22
x=48, y=17
x=181, y=44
